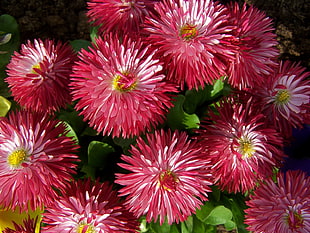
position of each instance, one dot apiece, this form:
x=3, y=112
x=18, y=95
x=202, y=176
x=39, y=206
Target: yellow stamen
x=188, y=32
x=168, y=180
x=17, y=157
x=282, y=97
x=86, y=228
x=124, y=82
x=37, y=66
x=295, y=220
x=246, y=149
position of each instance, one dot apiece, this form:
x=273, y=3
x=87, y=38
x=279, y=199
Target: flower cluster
x=127, y=85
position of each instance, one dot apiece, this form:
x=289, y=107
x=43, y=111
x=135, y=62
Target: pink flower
x=285, y=97
x=28, y=226
x=123, y=17
x=88, y=206
x=169, y=177
x=35, y=158
x=281, y=207
x=188, y=35
x=120, y=88
x=39, y=75
x=255, y=42
x=241, y=149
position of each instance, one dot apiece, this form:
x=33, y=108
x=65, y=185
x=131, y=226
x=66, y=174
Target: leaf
x=164, y=228
x=5, y=38
x=187, y=226
x=5, y=106
x=198, y=226
x=98, y=153
x=217, y=87
x=178, y=119
x=204, y=211
x=10, y=39
x=71, y=133
x=195, y=98
x=230, y=225
x=89, y=171
x=219, y=215
x=77, y=45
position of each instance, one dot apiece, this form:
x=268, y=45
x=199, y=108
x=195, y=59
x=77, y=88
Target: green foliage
x=5, y=106
x=98, y=153
x=77, y=45
x=177, y=118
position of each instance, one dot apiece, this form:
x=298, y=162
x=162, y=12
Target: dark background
x=66, y=20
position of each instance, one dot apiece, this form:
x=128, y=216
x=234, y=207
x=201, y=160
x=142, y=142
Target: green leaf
x=5, y=106
x=98, y=153
x=5, y=38
x=217, y=87
x=219, y=215
x=94, y=33
x=71, y=133
x=77, y=45
x=178, y=119
x=187, y=226
x=230, y=225
x=195, y=98
x=204, y=211
x=198, y=226
x=89, y=171
x=164, y=228
x=9, y=37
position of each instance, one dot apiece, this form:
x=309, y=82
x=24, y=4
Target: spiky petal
x=281, y=207
x=90, y=207
x=169, y=177
x=120, y=88
x=39, y=75
x=35, y=158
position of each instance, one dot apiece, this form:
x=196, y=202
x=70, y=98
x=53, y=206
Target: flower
x=39, y=75
x=123, y=17
x=284, y=97
x=169, y=177
x=28, y=226
x=281, y=207
x=35, y=158
x=120, y=87
x=241, y=149
x=188, y=35
x=90, y=207
x=254, y=42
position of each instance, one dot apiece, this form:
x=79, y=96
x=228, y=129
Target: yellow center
x=37, y=66
x=282, y=97
x=124, y=82
x=17, y=157
x=294, y=220
x=246, y=148
x=86, y=228
x=168, y=180
x=188, y=32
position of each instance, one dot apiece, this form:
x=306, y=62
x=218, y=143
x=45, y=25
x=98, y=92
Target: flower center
x=188, y=32
x=124, y=82
x=86, y=228
x=168, y=180
x=17, y=157
x=282, y=97
x=246, y=148
x=294, y=220
x=35, y=68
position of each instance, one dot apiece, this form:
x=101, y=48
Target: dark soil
x=66, y=20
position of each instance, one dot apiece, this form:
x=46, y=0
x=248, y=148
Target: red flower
x=39, y=75
x=120, y=88
x=35, y=158
x=285, y=97
x=281, y=207
x=254, y=42
x=169, y=177
x=188, y=35
x=123, y=17
x=241, y=149
x=88, y=206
